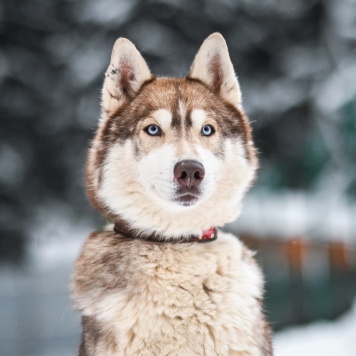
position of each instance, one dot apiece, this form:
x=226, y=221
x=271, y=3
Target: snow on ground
x=336, y=338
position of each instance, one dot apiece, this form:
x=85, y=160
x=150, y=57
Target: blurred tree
x=294, y=61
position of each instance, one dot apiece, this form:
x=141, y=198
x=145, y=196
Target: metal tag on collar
x=210, y=234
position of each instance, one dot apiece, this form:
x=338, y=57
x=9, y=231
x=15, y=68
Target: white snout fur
x=142, y=192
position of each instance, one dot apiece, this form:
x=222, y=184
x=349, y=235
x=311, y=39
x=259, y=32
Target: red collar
x=126, y=231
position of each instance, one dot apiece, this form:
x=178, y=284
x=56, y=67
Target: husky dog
x=170, y=163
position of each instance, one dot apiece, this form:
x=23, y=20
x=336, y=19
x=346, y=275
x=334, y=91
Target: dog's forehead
x=180, y=118
x=181, y=102
x=169, y=91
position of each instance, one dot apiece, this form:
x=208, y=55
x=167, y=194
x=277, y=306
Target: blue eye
x=207, y=130
x=153, y=130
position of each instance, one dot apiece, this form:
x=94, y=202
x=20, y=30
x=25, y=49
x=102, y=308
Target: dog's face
x=173, y=156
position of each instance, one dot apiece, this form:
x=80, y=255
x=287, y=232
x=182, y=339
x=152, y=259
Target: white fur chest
x=171, y=299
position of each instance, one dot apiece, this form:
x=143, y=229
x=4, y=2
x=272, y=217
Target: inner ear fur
x=213, y=67
x=124, y=77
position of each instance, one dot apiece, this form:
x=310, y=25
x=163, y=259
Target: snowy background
x=296, y=63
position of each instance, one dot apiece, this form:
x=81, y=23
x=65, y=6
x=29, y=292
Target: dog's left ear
x=124, y=77
x=213, y=67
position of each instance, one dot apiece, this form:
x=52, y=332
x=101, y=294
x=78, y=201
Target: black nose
x=189, y=173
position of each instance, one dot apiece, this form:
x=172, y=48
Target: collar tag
x=209, y=234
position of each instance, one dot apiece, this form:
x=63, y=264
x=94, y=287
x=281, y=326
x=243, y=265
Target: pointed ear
x=124, y=77
x=213, y=67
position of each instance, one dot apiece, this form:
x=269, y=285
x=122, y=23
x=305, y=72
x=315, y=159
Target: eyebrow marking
x=198, y=117
x=163, y=118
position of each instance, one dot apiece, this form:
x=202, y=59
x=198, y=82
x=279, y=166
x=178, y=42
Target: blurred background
x=296, y=62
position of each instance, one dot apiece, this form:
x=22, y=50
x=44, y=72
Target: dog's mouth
x=187, y=196
x=187, y=199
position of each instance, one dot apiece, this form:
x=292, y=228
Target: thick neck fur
x=144, y=298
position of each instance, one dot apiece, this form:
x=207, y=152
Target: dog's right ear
x=124, y=77
x=212, y=66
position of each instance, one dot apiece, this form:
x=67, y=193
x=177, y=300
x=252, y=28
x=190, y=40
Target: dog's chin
x=181, y=198
x=187, y=200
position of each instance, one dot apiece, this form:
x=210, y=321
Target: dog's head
x=171, y=156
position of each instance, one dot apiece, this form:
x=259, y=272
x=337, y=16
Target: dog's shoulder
x=96, y=269
x=109, y=262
